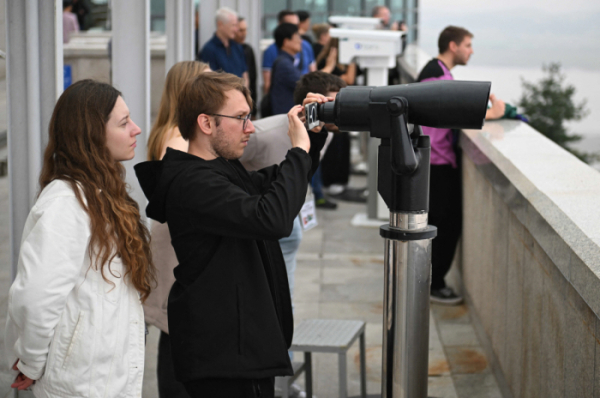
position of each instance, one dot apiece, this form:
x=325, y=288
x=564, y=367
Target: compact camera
x=312, y=118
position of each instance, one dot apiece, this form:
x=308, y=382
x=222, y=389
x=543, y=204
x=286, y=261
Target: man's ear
x=452, y=46
x=204, y=124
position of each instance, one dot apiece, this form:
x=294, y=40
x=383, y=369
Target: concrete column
x=131, y=75
x=34, y=82
x=180, y=32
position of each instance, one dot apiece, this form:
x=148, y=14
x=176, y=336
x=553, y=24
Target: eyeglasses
x=244, y=118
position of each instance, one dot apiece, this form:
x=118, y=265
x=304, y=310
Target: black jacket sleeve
x=216, y=205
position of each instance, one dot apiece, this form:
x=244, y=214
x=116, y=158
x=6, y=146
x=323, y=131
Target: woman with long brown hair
x=328, y=61
x=165, y=133
x=75, y=322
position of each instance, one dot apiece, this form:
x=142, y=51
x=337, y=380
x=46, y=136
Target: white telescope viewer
x=376, y=51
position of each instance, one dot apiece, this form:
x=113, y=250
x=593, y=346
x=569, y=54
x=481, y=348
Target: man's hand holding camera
x=297, y=130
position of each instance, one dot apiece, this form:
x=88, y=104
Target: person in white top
x=75, y=324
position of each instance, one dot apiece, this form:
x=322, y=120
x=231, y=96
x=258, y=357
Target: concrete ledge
x=530, y=264
x=551, y=192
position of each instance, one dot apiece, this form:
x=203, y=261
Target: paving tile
x=368, y=312
x=307, y=292
x=458, y=335
x=467, y=360
x=369, y=292
x=352, y=275
x=445, y=314
x=441, y=387
x=312, y=241
x=476, y=385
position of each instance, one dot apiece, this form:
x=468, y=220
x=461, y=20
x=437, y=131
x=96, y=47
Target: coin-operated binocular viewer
x=376, y=51
x=403, y=182
x=360, y=23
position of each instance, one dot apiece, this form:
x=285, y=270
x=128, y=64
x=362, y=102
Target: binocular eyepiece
x=441, y=104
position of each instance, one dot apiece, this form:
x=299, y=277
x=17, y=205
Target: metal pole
x=131, y=75
x=406, y=310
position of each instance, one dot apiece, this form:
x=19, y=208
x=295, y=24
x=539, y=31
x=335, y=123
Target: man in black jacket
x=230, y=317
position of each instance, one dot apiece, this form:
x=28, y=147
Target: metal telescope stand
x=403, y=182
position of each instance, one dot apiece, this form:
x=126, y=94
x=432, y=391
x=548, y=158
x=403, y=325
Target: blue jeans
x=289, y=248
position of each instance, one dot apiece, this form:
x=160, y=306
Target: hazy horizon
x=513, y=39
x=519, y=33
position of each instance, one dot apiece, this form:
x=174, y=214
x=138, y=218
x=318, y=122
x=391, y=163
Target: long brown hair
x=77, y=153
x=166, y=120
x=334, y=42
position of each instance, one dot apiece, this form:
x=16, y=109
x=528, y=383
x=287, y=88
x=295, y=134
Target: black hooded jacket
x=229, y=311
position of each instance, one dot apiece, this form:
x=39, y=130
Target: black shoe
x=325, y=204
x=445, y=296
x=352, y=195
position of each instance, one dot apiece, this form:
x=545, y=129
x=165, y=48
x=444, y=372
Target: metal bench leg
x=342, y=372
x=363, y=367
x=308, y=374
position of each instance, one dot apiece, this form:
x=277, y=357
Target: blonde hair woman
x=165, y=133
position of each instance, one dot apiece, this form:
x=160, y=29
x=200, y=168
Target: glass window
x=312, y=6
x=343, y=7
x=369, y=4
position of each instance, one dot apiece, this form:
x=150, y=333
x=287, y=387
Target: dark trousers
x=445, y=212
x=335, y=165
x=168, y=387
x=317, y=184
x=231, y=388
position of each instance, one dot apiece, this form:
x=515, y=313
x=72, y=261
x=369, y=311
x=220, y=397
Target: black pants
x=445, y=212
x=231, y=388
x=335, y=165
x=168, y=387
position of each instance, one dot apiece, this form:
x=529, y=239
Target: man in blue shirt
x=221, y=52
x=285, y=74
x=304, y=59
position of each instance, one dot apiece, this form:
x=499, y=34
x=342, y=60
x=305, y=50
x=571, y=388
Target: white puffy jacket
x=73, y=332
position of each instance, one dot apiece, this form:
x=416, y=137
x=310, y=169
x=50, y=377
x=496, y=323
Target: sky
x=519, y=33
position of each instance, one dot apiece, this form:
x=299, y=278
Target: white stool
x=330, y=335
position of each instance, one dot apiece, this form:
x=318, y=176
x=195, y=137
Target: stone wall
x=87, y=53
x=530, y=255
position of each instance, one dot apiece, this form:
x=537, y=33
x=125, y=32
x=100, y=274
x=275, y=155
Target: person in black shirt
x=304, y=26
x=240, y=37
x=229, y=310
